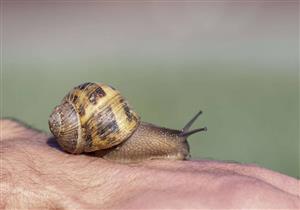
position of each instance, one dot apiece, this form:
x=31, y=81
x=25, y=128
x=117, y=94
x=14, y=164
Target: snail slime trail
x=95, y=117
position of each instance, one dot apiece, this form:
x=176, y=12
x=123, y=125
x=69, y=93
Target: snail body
x=96, y=118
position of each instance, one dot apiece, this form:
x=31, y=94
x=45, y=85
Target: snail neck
x=182, y=134
x=149, y=129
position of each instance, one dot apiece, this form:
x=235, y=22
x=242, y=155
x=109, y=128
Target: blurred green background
x=238, y=62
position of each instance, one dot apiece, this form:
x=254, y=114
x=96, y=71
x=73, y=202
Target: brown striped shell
x=92, y=117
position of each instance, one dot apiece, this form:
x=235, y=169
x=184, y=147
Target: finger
x=281, y=181
x=278, y=180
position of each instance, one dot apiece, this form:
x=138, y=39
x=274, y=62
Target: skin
x=36, y=174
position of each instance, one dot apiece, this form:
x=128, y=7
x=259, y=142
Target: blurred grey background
x=235, y=60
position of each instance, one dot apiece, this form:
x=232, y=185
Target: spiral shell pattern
x=92, y=117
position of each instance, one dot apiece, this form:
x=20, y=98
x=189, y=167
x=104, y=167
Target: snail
x=96, y=118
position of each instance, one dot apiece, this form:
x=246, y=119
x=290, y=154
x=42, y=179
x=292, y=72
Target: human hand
x=35, y=173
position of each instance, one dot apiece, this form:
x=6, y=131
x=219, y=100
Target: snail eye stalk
x=188, y=133
x=185, y=131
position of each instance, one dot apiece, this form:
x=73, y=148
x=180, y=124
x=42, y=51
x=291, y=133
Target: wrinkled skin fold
x=35, y=173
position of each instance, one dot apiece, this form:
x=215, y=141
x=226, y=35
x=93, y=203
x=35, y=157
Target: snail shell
x=92, y=117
